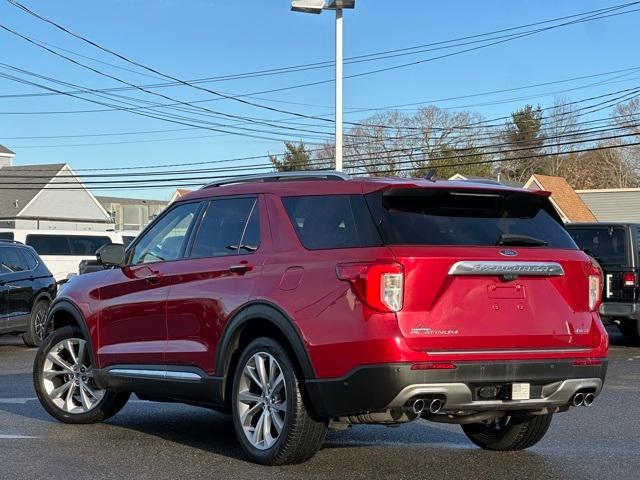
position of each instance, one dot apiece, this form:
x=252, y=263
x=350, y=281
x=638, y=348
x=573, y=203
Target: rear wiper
x=515, y=239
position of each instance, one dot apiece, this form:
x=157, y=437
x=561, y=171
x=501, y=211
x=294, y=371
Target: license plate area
x=505, y=292
x=520, y=391
x=506, y=391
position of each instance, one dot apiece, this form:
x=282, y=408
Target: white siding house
x=613, y=205
x=48, y=197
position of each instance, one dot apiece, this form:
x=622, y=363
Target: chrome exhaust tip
x=588, y=399
x=435, y=405
x=578, y=399
x=417, y=406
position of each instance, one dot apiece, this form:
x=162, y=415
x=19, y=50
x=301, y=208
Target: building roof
x=6, y=151
x=613, y=205
x=129, y=201
x=568, y=203
x=178, y=194
x=19, y=185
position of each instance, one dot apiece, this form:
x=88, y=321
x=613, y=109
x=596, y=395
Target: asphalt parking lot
x=150, y=440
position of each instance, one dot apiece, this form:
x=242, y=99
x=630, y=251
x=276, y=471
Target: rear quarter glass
x=332, y=221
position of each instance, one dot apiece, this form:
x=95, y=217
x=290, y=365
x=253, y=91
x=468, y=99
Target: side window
x=333, y=221
x=30, y=259
x=86, y=245
x=12, y=260
x=251, y=239
x=223, y=227
x=49, y=244
x=6, y=235
x=164, y=241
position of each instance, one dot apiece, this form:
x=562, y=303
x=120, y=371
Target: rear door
x=18, y=283
x=215, y=278
x=612, y=247
x=485, y=271
x=4, y=289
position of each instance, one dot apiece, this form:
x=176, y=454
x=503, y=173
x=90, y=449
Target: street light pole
x=339, y=128
x=317, y=6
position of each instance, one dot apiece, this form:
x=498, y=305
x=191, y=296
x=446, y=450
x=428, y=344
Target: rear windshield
x=70, y=245
x=608, y=245
x=445, y=217
x=6, y=235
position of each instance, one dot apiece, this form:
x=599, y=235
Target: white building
x=47, y=197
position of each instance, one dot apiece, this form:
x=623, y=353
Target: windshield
x=607, y=245
x=483, y=218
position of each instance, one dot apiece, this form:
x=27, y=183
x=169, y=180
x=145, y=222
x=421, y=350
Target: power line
x=166, y=97
x=354, y=164
x=594, y=15
x=321, y=64
x=584, y=150
x=157, y=115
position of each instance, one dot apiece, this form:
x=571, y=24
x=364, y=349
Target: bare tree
x=392, y=143
x=560, y=121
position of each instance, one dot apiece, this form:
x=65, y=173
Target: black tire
x=629, y=328
x=110, y=403
x=35, y=330
x=302, y=435
x=509, y=433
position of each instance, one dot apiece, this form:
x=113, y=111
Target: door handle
x=153, y=277
x=241, y=268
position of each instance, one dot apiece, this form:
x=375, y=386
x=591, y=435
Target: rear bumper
x=381, y=387
x=620, y=310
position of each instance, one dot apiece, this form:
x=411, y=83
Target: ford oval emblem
x=509, y=253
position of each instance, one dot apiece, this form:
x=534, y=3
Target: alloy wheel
x=262, y=400
x=67, y=377
x=39, y=321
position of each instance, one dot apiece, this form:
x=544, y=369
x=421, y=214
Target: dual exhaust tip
x=420, y=405
x=583, y=399
x=434, y=405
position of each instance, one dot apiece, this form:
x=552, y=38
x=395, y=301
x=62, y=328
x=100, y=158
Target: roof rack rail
x=280, y=176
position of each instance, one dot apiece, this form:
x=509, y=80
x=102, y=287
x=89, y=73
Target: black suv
x=616, y=248
x=26, y=291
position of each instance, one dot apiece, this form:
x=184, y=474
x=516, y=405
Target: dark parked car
x=27, y=288
x=295, y=302
x=616, y=247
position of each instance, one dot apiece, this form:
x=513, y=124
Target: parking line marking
x=15, y=437
x=16, y=401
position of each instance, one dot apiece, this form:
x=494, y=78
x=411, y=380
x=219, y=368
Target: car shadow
x=377, y=450
x=618, y=340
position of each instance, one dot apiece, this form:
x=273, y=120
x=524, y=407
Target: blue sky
x=193, y=39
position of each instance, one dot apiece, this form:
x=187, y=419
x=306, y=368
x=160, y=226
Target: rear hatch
x=488, y=271
x=611, y=246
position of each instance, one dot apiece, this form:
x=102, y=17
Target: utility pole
x=339, y=54
x=317, y=6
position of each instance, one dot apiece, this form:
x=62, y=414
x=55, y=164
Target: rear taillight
x=595, y=286
x=378, y=285
x=629, y=280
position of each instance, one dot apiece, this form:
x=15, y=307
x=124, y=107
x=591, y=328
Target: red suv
x=297, y=302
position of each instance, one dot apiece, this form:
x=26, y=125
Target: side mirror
x=111, y=255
